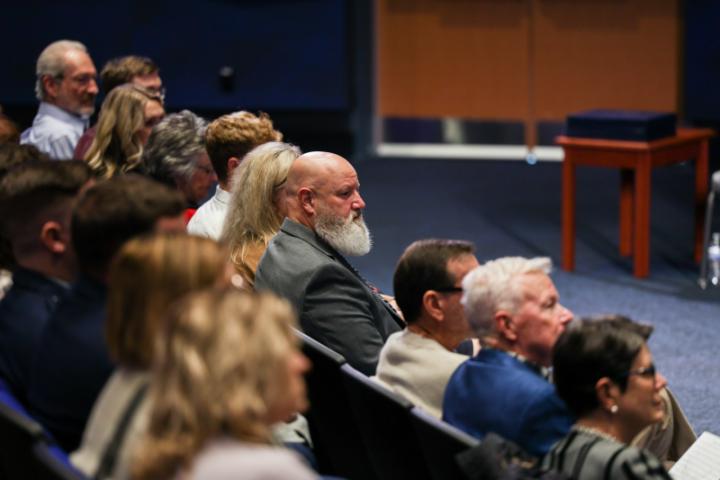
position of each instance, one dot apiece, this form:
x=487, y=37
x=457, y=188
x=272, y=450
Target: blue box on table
x=621, y=125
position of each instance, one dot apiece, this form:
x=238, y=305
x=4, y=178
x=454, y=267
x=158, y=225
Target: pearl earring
x=614, y=409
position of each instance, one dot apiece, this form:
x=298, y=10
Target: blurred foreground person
x=9, y=132
x=228, y=367
x=71, y=363
x=147, y=277
x=11, y=155
x=604, y=373
x=36, y=203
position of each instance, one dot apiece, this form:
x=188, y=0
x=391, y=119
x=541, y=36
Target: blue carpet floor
x=512, y=208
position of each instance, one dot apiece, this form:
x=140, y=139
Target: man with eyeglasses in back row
x=140, y=71
x=66, y=87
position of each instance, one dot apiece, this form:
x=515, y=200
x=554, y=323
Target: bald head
x=321, y=179
x=323, y=193
x=313, y=169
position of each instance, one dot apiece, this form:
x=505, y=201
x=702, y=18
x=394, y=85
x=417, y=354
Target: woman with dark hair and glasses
x=604, y=372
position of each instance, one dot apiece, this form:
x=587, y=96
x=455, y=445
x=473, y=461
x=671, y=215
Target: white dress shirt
x=209, y=219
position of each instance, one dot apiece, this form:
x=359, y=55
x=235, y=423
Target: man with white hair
x=66, y=87
x=305, y=261
x=513, y=306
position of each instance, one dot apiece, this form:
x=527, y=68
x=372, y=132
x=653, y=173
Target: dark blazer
x=336, y=307
x=72, y=364
x=495, y=392
x=23, y=313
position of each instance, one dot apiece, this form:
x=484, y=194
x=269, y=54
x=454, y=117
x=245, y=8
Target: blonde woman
x=227, y=369
x=257, y=206
x=147, y=276
x=127, y=116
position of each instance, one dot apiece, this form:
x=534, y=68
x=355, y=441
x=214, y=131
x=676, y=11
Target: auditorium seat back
x=19, y=435
x=440, y=443
x=50, y=466
x=384, y=421
x=337, y=442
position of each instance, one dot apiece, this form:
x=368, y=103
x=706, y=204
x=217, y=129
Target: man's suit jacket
x=71, y=365
x=495, y=392
x=23, y=314
x=335, y=305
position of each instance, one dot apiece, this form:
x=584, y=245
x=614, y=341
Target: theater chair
x=337, y=442
x=440, y=443
x=383, y=418
x=19, y=434
x=49, y=465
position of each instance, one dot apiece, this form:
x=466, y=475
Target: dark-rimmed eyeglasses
x=448, y=289
x=159, y=91
x=647, y=372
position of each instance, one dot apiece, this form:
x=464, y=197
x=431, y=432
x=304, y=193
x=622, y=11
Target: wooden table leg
x=627, y=187
x=701, y=193
x=568, y=213
x=641, y=234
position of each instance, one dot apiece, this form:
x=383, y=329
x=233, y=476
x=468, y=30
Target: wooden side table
x=635, y=161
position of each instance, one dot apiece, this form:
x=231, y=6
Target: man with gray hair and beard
x=66, y=88
x=305, y=261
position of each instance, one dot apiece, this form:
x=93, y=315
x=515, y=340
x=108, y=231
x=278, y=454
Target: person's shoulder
x=294, y=255
x=52, y=129
x=30, y=298
x=206, y=222
x=633, y=462
x=222, y=459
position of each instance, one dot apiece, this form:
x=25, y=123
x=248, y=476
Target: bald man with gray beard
x=305, y=261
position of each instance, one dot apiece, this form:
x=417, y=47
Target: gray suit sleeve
x=336, y=311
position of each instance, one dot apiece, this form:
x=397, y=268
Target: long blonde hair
x=146, y=277
x=116, y=147
x=220, y=366
x=253, y=217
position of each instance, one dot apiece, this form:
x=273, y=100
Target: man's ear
x=608, y=393
x=431, y=304
x=306, y=197
x=232, y=164
x=50, y=85
x=52, y=238
x=504, y=326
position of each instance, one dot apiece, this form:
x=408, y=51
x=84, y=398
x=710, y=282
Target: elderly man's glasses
x=79, y=79
x=159, y=91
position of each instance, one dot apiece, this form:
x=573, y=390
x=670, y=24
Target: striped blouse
x=583, y=455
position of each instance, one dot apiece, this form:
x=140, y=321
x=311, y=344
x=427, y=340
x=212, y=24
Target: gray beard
x=349, y=236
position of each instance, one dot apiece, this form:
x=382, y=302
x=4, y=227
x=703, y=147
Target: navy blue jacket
x=72, y=364
x=23, y=313
x=495, y=392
